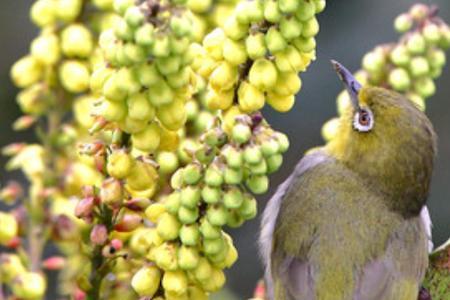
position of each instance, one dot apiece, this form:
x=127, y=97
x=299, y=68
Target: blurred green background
x=349, y=29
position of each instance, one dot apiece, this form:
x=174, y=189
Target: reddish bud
x=100, y=162
x=128, y=222
x=88, y=191
x=260, y=290
x=99, y=124
x=116, y=244
x=138, y=204
x=14, y=243
x=11, y=192
x=91, y=148
x=99, y=234
x=13, y=149
x=24, y=122
x=79, y=294
x=85, y=207
x=64, y=228
x=54, y=263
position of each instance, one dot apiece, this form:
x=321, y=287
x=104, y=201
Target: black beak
x=351, y=84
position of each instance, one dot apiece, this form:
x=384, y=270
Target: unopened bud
x=111, y=192
x=8, y=227
x=24, y=122
x=128, y=222
x=91, y=148
x=13, y=149
x=64, y=228
x=54, y=263
x=116, y=244
x=99, y=234
x=11, y=192
x=85, y=207
x=137, y=204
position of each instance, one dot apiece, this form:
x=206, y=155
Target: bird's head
x=385, y=138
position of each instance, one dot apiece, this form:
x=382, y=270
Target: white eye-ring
x=363, y=120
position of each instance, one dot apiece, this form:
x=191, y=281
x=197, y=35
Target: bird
x=351, y=222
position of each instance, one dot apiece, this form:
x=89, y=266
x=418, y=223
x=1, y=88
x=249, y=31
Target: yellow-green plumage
x=346, y=225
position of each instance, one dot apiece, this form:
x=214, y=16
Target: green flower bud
x=190, y=235
x=68, y=10
x=74, y=76
x=259, y=168
x=416, y=44
x=179, y=46
x=188, y=258
x=436, y=58
x=272, y=12
x=403, y=23
x=199, y=6
x=167, y=161
x=29, y=285
x=233, y=198
x=179, y=79
x=144, y=35
x=35, y=99
x=215, y=282
x=417, y=100
x=181, y=26
x=283, y=142
x=217, y=215
x=121, y=6
x=248, y=210
x=147, y=140
x=205, y=155
x=175, y=282
x=192, y=173
x=127, y=81
x=305, y=45
x=425, y=87
x=373, y=61
x=168, y=227
x=165, y=256
x=147, y=74
x=234, y=30
x=255, y=45
x=161, y=46
x=111, y=89
x=99, y=78
x=234, y=52
x=275, y=41
x=132, y=126
x=146, y=281
x=400, y=55
x=431, y=33
x=233, y=157
x=305, y=11
x=233, y=176
x=208, y=230
x=234, y=221
x=274, y=163
x=139, y=107
x=190, y=196
x=241, y=133
x=257, y=184
x=188, y=215
x=253, y=155
x=288, y=6
x=445, y=37
x=134, y=16
x=224, y=76
x=290, y=28
x=154, y=211
x=168, y=65
x=45, y=49
x=269, y=147
x=211, y=195
x=135, y=53
x=124, y=31
x=255, y=11
x=320, y=5
x=399, y=79
x=43, y=12
x=173, y=202
x=8, y=227
x=26, y=71
x=203, y=271
x=263, y=74
x=176, y=181
x=211, y=247
x=77, y=40
x=160, y=94
x=213, y=176
x=197, y=293
x=419, y=66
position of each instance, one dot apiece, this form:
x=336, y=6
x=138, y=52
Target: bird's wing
x=333, y=238
x=271, y=211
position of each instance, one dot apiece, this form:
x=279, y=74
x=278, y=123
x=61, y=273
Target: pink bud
x=85, y=207
x=99, y=123
x=116, y=244
x=79, y=294
x=54, y=263
x=24, y=122
x=14, y=243
x=260, y=290
x=11, y=192
x=99, y=234
x=111, y=192
x=128, y=222
x=100, y=162
x=13, y=149
x=138, y=204
x=92, y=148
x=64, y=228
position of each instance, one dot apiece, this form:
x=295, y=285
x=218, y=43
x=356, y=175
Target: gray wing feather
x=272, y=210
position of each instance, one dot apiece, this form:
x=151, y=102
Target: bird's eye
x=363, y=120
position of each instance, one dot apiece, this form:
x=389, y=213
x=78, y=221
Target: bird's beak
x=351, y=84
